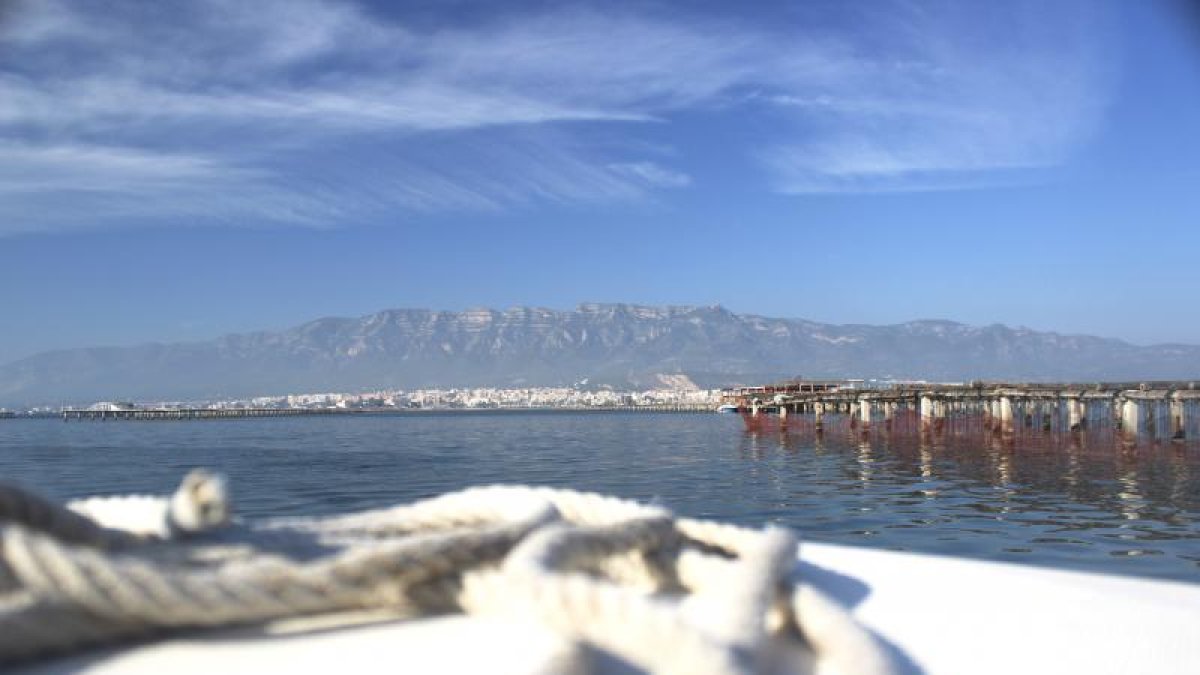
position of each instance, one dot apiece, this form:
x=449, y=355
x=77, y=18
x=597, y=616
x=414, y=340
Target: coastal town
x=475, y=398
x=488, y=397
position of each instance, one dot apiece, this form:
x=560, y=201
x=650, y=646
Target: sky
x=181, y=170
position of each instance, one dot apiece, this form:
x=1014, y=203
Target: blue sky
x=179, y=170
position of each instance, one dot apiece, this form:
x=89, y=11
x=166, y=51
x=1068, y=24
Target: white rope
x=201, y=503
x=663, y=594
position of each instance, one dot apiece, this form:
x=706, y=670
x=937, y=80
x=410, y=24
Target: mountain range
x=617, y=345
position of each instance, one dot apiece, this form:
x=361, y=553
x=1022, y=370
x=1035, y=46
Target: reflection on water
x=1081, y=501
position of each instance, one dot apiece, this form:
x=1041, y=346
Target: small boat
x=935, y=615
x=727, y=408
x=750, y=601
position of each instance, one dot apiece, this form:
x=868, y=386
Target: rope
x=665, y=594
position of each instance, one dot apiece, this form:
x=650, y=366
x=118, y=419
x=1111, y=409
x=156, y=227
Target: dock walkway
x=1152, y=409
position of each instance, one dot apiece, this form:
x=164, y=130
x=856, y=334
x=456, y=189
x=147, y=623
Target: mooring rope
x=664, y=594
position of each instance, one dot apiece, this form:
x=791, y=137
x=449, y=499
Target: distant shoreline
x=182, y=414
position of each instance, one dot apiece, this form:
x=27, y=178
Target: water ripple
x=1115, y=510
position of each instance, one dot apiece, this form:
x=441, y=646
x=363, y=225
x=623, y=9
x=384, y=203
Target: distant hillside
x=606, y=344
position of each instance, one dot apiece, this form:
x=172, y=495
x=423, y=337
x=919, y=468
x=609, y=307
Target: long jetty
x=1155, y=410
x=103, y=415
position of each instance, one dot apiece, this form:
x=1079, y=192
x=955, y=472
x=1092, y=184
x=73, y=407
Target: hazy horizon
x=276, y=329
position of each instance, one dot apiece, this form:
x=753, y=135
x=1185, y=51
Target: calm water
x=1132, y=511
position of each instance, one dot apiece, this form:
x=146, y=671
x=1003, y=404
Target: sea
x=1084, y=504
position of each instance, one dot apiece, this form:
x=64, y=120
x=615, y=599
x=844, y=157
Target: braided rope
x=26, y=508
x=668, y=595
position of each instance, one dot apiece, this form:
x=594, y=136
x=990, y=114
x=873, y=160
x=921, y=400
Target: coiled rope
x=663, y=594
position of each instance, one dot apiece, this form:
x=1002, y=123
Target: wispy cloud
x=653, y=174
x=320, y=112
x=958, y=95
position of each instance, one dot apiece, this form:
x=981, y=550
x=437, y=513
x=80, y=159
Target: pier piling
x=1134, y=412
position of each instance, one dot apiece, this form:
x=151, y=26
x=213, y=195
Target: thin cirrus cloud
x=653, y=174
x=969, y=95
x=315, y=112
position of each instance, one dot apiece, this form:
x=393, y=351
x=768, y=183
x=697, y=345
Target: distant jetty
x=134, y=413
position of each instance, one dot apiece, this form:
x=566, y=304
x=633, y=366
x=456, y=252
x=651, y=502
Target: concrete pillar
x=889, y=411
x=819, y=414
x=864, y=411
x=1006, y=412
x=927, y=412
x=1178, y=419
x=783, y=413
x=1130, y=416
x=1074, y=413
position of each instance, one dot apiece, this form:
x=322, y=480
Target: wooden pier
x=1152, y=410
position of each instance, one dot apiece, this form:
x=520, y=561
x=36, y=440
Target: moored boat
x=933, y=614
x=542, y=582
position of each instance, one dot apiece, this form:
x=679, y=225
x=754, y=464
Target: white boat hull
x=937, y=615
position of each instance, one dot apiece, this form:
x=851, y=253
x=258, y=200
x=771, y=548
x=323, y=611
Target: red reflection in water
x=969, y=430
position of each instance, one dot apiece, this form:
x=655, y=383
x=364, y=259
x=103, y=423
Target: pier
x=1149, y=410
x=104, y=415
